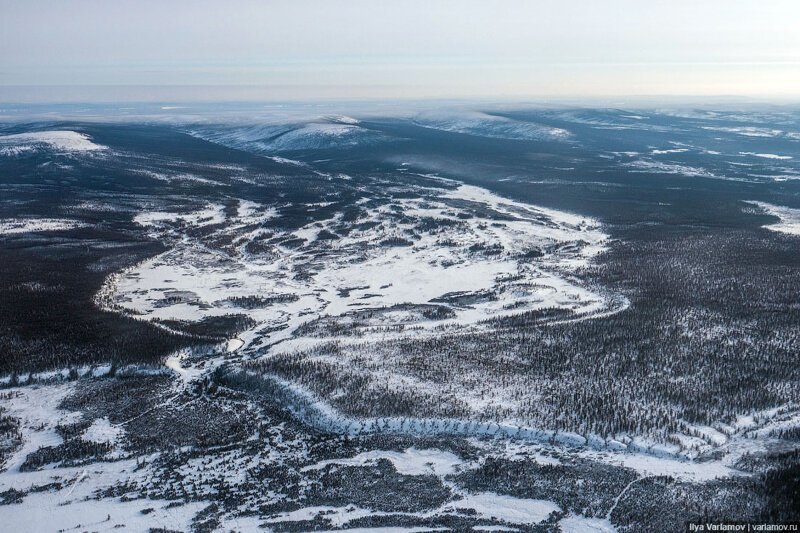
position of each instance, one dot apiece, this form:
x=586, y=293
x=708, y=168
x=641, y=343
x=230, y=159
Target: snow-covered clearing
x=77, y=511
x=789, y=217
x=73, y=506
x=582, y=524
x=103, y=431
x=658, y=167
x=746, y=131
x=767, y=156
x=484, y=505
x=411, y=462
x=463, y=250
x=59, y=141
x=37, y=409
x=506, y=508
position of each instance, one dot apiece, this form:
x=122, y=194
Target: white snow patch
x=61, y=141
x=767, y=156
x=653, y=465
x=287, y=161
x=13, y=226
x=103, y=431
x=658, y=167
x=670, y=151
x=343, y=119
x=789, y=218
x=486, y=125
x=388, y=529
x=37, y=408
x=176, y=176
x=211, y=214
x=411, y=462
x=507, y=508
x=582, y=524
x=746, y=131
x=74, y=506
x=488, y=505
x=69, y=511
x=337, y=516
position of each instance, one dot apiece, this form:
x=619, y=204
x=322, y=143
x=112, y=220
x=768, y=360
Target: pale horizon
x=87, y=50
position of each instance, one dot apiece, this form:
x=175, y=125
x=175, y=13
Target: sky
x=74, y=50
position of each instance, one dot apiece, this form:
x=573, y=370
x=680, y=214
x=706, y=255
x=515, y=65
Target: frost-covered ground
x=405, y=263
x=361, y=343
x=469, y=254
x=125, y=488
x=275, y=475
x=66, y=497
x=442, y=258
x=411, y=263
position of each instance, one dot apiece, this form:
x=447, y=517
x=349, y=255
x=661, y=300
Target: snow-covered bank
x=789, y=217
